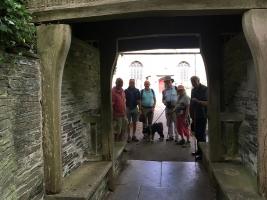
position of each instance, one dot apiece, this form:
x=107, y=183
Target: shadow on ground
x=160, y=151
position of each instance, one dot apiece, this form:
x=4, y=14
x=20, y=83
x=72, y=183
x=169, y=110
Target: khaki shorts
x=119, y=125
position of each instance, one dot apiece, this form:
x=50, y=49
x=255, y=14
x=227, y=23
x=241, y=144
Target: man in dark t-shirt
x=132, y=95
x=198, y=112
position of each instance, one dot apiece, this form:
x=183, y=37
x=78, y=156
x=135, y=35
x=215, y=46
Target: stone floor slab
x=127, y=192
x=163, y=181
x=159, y=151
x=189, y=178
x=157, y=193
x=141, y=173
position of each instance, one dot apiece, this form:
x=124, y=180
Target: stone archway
x=53, y=42
x=108, y=52
x=254, y=26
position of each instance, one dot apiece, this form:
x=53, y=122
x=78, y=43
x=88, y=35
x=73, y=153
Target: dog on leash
x=155, y=127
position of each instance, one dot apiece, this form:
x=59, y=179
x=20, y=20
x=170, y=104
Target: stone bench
x=89, y=181
x=232, y=180
x=118, y=149
x=83, y=183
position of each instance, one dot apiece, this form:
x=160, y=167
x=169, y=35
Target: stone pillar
x=108, y=55
x=255, y=30
x=211, y=52
x=53, y=42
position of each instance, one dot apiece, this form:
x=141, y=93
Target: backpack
x=142, y=91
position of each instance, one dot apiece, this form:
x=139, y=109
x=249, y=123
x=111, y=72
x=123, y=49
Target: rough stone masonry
x=21, y=165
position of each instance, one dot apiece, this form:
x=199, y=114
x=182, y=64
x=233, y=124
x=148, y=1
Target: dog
x=155, y=127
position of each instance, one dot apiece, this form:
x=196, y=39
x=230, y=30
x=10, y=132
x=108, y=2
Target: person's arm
x=163, y=98
x=154, y=105
x=138, y=100
x=203, y=103
x=187, y=119
x=124, y=99
x=187, y=110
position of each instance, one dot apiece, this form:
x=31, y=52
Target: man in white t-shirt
x=169, y=99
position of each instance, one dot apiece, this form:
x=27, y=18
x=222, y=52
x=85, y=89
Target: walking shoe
x=198, y=158
x=186, y=144
x=195, y=153
x=169, y=139
x=161, y=139
x=181, y=142
x=129, y=139
x=134, y=139
x=125, y=150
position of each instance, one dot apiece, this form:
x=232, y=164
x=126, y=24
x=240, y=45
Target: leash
x=159, y=116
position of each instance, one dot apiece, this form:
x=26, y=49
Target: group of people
x=128, y=105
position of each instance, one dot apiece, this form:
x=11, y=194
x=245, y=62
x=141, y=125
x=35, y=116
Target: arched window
x=136, y=71
x=183, y=70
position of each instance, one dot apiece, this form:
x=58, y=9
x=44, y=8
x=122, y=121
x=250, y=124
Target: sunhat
x=180, y=87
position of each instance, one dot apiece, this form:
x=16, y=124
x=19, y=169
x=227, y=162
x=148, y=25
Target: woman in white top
x=182, y=113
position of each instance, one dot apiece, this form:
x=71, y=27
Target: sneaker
x=181, y=142
x=169, y=139
x=195, y=153
x=134, y=139
x=186, y=144
x=198, y=158
x=129, y=139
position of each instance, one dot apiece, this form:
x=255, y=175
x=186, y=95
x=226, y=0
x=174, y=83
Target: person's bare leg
x=134, y=128
x=134, y=138
x=129, y=132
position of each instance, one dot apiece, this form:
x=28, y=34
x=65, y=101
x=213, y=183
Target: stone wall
x=80, y=99
x=21, y=166
x=240, y=92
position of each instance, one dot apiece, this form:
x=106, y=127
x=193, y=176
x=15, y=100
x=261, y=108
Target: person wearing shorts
x=119, y=110
x=148, y=103
x=132, y=95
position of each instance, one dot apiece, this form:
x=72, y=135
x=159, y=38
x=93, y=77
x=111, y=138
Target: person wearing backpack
x=169, y=99
x=147, y=105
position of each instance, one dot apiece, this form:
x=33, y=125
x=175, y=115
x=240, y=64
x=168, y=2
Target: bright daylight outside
x=154, y=65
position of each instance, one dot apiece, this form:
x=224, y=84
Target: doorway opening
x=153, y=65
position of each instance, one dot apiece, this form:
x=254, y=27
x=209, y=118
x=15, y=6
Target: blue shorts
x=132, y=115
